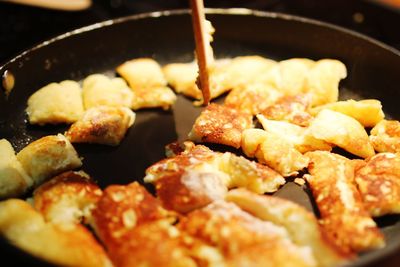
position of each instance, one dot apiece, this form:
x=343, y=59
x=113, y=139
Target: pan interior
x=371, y=74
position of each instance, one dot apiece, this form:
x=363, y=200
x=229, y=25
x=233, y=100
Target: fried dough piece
x=224, y=75
x=142, y=73
x=346, y=222
x=244, y=70
x=199, y=176
x=343, y=131
x=145, y=77
x=323, y=81
x=252, y=98
x=274, y=151
x=134, y=228
x=102, y=125
x=293, y=109
x=99, y=90
x=290, y=76
x=13, y=179
x=182, y=77
x=221, y=125
x=379, y=184
x=62, y=246
x=67, y=198
x=153, y=97
x=368, y=111
x=48, y=156
x=56, y=103
x=385, y=136
x=240, y=237
x=300, y=137
x=302, y=226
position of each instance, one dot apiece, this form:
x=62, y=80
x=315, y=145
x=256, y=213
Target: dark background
x=22, y=27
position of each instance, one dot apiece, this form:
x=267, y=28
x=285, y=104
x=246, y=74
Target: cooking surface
x=32, y=31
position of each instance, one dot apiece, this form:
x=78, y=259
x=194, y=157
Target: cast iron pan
x=373, y=72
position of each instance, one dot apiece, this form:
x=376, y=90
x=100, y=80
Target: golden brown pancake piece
x=379, y=184
x=343, y=216
x=221, y=125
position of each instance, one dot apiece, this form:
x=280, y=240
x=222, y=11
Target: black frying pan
x=373, y=72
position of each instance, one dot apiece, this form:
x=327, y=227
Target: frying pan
x=373, y=72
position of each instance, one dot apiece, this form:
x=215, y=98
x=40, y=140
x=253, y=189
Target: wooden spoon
x=203, y=48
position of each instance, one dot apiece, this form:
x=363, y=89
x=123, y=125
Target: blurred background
x=23, y=26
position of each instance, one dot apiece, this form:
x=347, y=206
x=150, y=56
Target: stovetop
x=22, y=27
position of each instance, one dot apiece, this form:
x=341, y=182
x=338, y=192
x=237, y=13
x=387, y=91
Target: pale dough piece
x=56, y=103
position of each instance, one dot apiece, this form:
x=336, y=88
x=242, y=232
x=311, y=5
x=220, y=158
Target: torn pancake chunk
x=198, y=176
x=102, y=125
x=100, y=90
x=149, y=87
x=24, y=227
x=385, y=136
x=300, y=137
x=368, y=111
x=343, y=131
x=274, y=151
x=293, y=109
x=221, y=125
x=252, y=98
x=133, y=226
x=302, y=226
x=67, y=198
x=226, y=74
x=56, y=103
x=14, y=181
x=47, y=157
x=379, y=184
x=142, y=73
x=240, y=237
x=290, y=76
x=343, y=216
x=323, y=81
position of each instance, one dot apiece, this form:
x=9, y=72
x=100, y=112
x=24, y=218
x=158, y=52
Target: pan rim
x=367, y=259
x=217, y=11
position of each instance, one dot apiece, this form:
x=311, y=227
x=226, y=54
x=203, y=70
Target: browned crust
x=221, y=125
x=293, y=109
x=67, y=190
x=343, y=215
x=379, y=184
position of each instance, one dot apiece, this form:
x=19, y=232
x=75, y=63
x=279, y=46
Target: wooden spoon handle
x=203, y=53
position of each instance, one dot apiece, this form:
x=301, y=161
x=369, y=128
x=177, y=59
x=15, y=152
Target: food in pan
x=198, y=176
x=67, y=198
x=385, y=136
x=379, y=184
x=292, y=108
x=302, y=226
x=14, y=181
x=56, y=103
x=25, y=227
x=274, y=151
x=101, y=125
x=252, y=98
x=225, y=75
x=221, y=125
x=48, y=156
x=343, y=131
x=368, y=111
x=344, y=218
x=199, y=217
x=99, y=90
x=300, y=137
x=149, y=87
